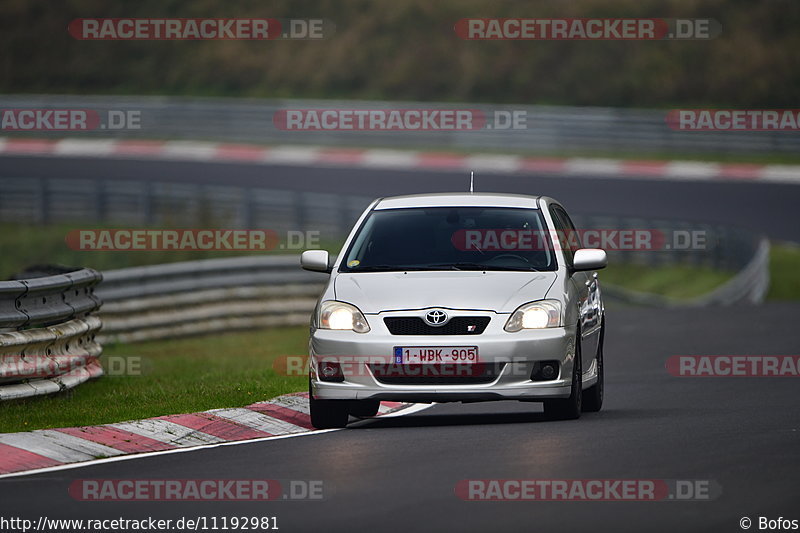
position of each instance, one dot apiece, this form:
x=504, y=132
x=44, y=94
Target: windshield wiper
x=479, y=266
x=391, y=268
x=437, y=266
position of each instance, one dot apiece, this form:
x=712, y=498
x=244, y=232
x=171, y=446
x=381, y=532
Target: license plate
x=431, y=355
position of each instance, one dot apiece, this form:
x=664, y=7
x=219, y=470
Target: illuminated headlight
x=339, y=315
x=535, y=315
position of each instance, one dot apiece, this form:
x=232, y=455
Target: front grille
x=445, y=374
x=458, y=325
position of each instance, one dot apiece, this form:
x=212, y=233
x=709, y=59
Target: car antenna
x=471, y=178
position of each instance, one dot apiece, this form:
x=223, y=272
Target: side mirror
x=589, y=259
x=315, y=261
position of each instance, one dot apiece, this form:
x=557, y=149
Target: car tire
x=365, y=408
x=568, y=408
x=593, y=396
x=327, y=414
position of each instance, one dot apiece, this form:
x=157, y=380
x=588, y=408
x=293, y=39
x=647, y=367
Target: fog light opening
x=545, y=370
x=330, y=371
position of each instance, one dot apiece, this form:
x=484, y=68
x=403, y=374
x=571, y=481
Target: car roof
x=458, y=199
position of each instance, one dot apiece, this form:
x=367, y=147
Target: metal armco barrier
x=545, y=129
x=206, y=296
x=750, y=285
x=47, y=338
x=131, y=202
x=48, y=300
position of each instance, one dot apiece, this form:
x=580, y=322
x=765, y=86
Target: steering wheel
x=510, y=256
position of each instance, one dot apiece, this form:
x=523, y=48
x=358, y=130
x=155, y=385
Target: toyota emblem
x=437, y=317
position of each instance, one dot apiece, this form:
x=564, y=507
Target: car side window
x=568, y=237
x=574, y=234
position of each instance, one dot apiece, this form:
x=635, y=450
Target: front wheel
x=593, y=396
x=327, y=414
x=568, y=408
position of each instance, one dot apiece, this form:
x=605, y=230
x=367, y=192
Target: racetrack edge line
x=409, y=410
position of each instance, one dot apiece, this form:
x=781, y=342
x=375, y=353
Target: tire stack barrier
x=48, y=333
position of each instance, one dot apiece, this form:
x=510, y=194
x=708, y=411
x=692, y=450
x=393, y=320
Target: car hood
x=502, y=292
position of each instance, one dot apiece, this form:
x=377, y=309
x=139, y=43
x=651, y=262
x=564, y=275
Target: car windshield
x=451, y=238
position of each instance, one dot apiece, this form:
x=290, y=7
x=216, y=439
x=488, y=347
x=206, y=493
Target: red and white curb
x=400, y=159
x=48, y=449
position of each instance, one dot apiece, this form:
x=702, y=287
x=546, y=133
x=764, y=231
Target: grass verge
x=682, y=282
x=679, y=282
x=179, y=376
x=784, y=263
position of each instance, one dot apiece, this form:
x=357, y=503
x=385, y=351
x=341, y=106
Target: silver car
x=457, y=298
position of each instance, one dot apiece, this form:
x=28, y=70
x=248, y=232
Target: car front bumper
x=516, y=353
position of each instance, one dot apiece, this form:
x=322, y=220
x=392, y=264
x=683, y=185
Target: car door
x=585, y=284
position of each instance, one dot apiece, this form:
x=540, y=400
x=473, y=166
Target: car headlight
x=339, y=315
x=535, y=315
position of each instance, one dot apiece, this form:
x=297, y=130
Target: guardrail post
x=147, y=203
x=345, y=220
x=44, y=201
x=248, y=208
x=300, y=214
x=100, y=200
x=716, y=255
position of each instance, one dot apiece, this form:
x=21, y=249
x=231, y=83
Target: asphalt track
x=399, y=474
x=770, y=208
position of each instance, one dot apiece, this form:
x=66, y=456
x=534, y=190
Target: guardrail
x=671, y=242
x=47, y=333
x=206, y=296
x=750, y=285
x=722, y=248
x=158, y=203
x=547, y=129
